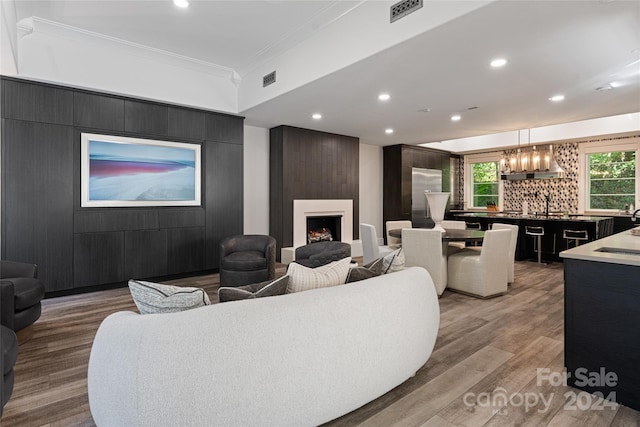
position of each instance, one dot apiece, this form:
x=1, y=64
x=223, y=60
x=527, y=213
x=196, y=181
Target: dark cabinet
x=36, y=103
x=146, y=118
x=37, y=198
x=224, y=205
x=98, y=111
x=98, y=258
x=398, y=162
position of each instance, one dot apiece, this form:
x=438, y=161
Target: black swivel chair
x=246, y=259
x=22, y=294
x=8, y=357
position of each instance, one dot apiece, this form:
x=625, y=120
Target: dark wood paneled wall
x=397, y=163
x=75, y=247
x=307, y=164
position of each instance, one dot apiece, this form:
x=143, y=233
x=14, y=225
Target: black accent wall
x=308, y=164
x=77, y=248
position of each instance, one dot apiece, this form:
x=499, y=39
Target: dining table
x=450, y=235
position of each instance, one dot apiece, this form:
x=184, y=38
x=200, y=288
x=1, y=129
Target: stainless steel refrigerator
x=423, y=180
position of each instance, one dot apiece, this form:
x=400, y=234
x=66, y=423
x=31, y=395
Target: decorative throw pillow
x=373, y=269
x=393, y=262
x=157, y=298
x=303, y=278
x=256, y=290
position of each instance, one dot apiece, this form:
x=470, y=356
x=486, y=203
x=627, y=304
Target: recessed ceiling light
x=557, y=98
x=384, y=97
x=316, y=116
x=181, y=3
x=456, y=117
x=388, y=131
x=498, y=62
x=615, y=84
x=605, y=87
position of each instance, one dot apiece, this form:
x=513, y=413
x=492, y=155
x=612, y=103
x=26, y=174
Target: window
x=612, y=177
x=609, y=176
x=482, y=176
x=485, y=183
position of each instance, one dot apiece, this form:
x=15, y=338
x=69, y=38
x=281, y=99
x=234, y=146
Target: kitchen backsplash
x=563, y=191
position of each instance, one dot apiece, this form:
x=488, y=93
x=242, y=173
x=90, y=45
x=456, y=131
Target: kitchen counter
x=550, y=217
x=621, y=248
x=601, y=317
x=553, y=241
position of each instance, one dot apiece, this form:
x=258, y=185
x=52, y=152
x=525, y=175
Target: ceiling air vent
x=269, y=79
x=403, y=8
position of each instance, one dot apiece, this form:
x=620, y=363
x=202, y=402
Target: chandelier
x=535, y=161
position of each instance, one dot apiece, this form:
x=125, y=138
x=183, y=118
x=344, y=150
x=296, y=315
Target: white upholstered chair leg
x=423, y=247
x=481, y=273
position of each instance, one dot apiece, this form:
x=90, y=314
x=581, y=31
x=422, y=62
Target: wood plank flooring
x=485, y=349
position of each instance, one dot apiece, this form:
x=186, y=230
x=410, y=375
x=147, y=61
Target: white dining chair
x=371, y=250
x=457, y=225
x=396, y=242
x=512, y=247
x=481, y=273
x=423, y=247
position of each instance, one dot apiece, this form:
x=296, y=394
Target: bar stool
x=537, y=232
x=575, y=235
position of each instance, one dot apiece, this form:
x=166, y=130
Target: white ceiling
x=568, y=47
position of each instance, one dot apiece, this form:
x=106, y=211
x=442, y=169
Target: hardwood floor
x=485, y=349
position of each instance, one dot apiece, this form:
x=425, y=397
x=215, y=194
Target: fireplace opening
x=324, y=228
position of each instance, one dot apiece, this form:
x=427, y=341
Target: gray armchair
x=22, y=294
x=246, y=259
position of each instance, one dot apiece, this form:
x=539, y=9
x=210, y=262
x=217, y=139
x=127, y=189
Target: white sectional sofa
x=297, y=359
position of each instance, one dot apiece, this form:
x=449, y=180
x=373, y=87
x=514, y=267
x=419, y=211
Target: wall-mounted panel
x=98, y=111
x=222, y=128
x=79, y=248
x=92, y=220
x=36, y=103
x=181, y=218
x=37, y=198
x=224, y=207
x=185, y=123
x=145, y=253
x=185, y=250
x=98, y=258
x=146, y=118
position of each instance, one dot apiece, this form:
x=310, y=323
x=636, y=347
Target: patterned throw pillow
x=303, y=278
x=157, y=298
x=373, y=269
x=393, y=262
x=256, y=290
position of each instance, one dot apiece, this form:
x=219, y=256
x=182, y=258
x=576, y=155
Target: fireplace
x=324, y=228
x=336, y=215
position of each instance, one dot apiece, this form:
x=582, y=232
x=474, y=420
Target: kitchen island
x=602, y=314
x=553, y=242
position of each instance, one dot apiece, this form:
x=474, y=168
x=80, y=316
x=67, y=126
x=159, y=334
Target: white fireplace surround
x=302, y=209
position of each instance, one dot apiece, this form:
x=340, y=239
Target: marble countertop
x=555, y=217
x=621, y=248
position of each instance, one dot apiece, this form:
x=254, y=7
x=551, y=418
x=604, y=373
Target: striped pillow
x=157, y=298
x=303, y=278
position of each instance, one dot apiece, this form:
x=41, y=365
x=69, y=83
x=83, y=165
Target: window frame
x=587, y=148
x=471, y=159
